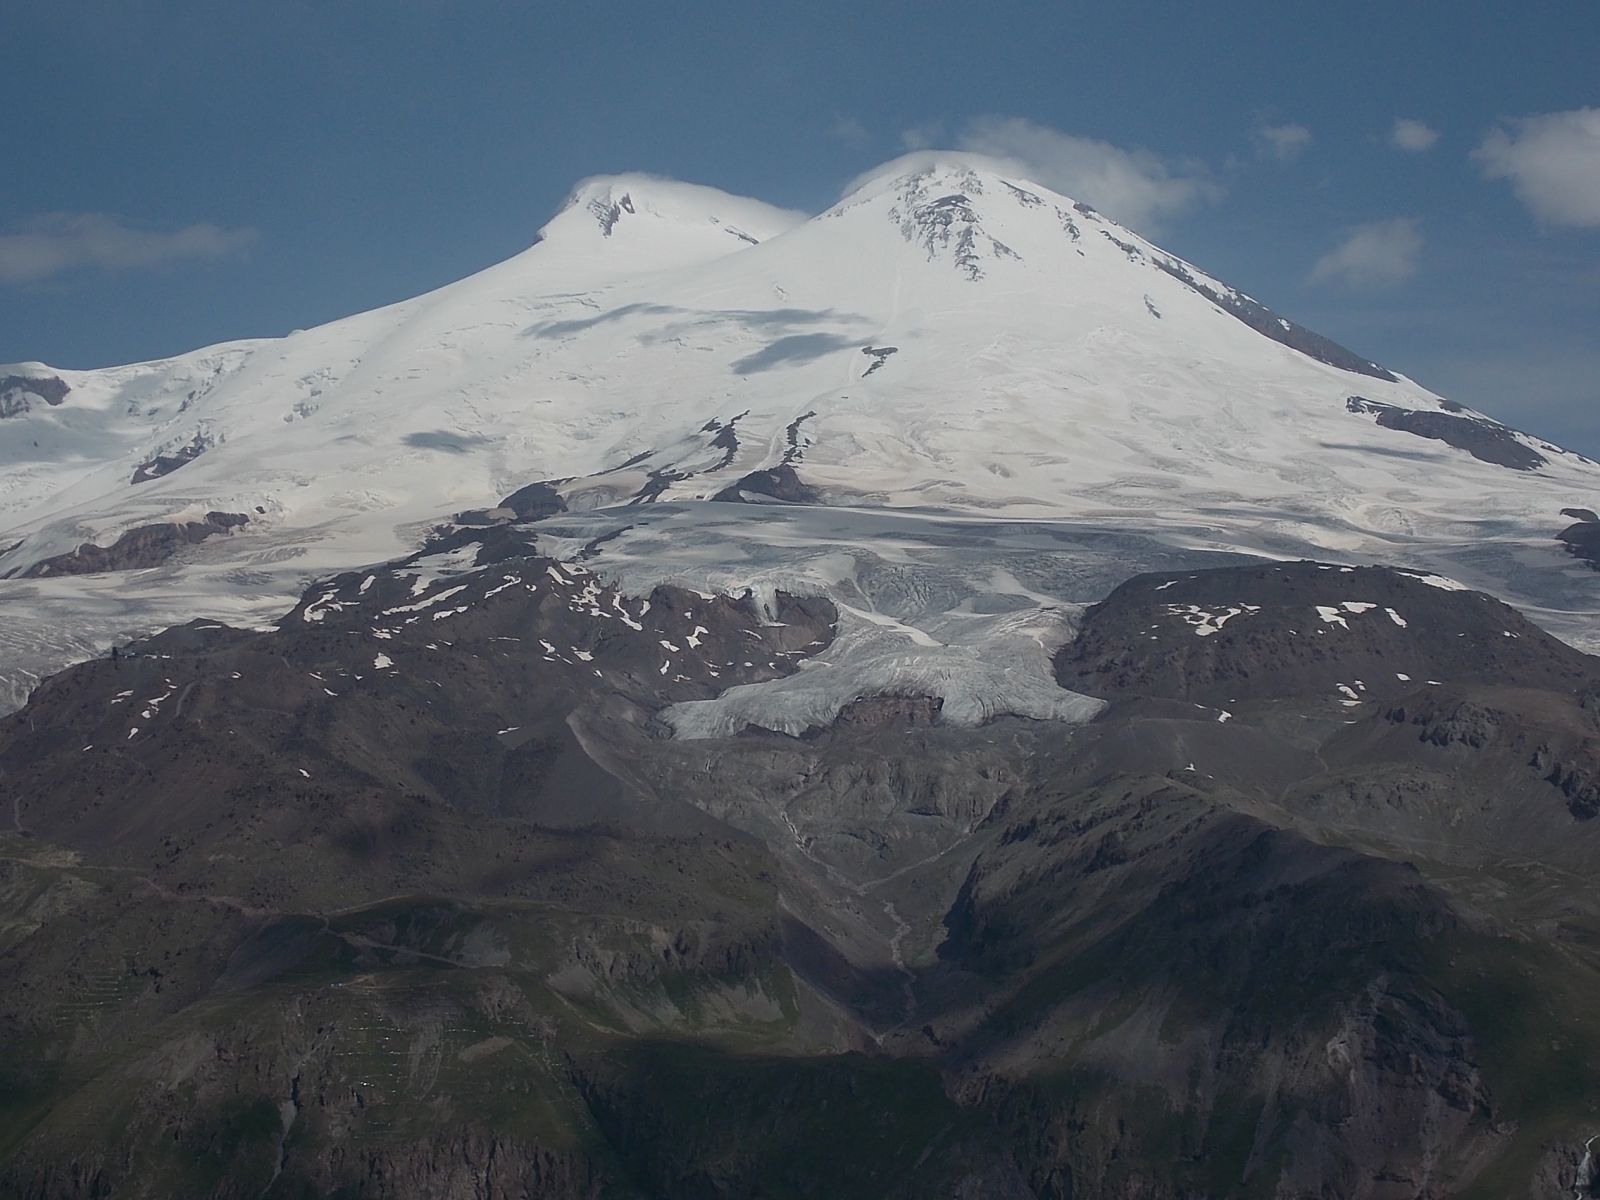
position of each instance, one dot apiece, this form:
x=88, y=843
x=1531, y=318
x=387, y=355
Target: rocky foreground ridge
x=415, y=896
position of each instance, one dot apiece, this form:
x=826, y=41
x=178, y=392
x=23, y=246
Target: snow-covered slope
x=947, y=340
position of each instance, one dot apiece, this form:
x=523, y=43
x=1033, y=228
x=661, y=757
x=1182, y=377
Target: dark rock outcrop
x=608, y=212
x=146, y=546
x=533, y=502
x=1309, y=631
x=781, y=484
x=881, y=712
x=1582, y=541
x=18, y=393
x=166, y=464
x=727, y=439
x=1488, y=441
x=879, y=355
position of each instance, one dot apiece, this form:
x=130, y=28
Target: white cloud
x=1553, y=163
x=1378, y=254
x=1412, y=136
x=850, y=131
x=1133, y=186
x=1282, y=142
x=57, y=242
x=923, y=137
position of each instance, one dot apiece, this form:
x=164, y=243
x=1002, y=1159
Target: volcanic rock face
x=443, y=659
x=1488, y=441
x=1309, y=632
x=1582, y=540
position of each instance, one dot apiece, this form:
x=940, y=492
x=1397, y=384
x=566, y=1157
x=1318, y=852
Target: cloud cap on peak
x=1136, y=187
x=1133, y=186
x=664, y=199
x=930, y=160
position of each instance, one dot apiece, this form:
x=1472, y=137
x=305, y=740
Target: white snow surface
x=1033, y=391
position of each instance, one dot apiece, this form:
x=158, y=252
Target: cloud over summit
x=1136, y=187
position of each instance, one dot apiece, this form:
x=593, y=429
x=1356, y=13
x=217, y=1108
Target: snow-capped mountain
x=955, y=355
x=743, y=703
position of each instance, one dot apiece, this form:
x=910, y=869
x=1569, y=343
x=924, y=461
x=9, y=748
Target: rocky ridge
x=423, y=858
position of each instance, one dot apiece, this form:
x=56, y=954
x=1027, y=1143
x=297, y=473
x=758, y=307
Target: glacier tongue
x=1000, y=667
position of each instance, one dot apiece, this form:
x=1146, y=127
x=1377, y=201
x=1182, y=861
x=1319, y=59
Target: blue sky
x=180, y=172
